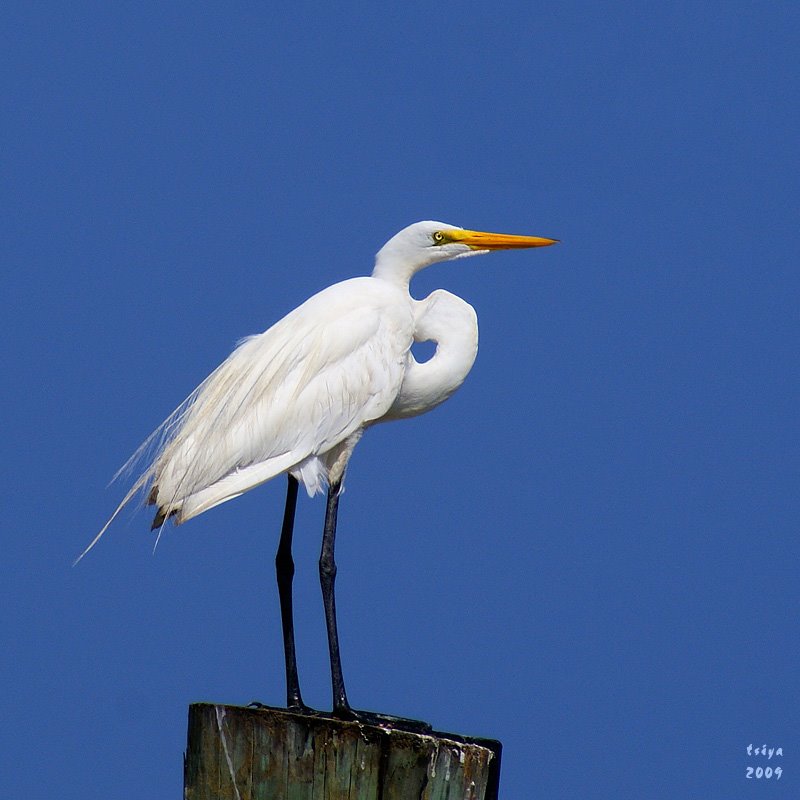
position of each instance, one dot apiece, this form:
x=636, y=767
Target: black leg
x=327, y=577
x=284, y=566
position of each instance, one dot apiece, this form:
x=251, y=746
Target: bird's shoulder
x=360, y=296
x=340, y=321
x=338, y=359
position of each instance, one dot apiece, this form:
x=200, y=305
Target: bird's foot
x=298, y=707
x=375, y=719
x=301, y=708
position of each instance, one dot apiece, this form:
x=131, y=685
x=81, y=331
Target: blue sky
x=590, y=552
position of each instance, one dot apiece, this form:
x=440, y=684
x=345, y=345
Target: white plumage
x=285, y=399
x=297, y=397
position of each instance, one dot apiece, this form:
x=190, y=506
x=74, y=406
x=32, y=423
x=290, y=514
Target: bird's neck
x=397, y=274
x=393, y=264
x=451, y=323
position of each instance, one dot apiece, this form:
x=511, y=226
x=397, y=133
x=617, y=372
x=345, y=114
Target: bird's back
x=290, y=394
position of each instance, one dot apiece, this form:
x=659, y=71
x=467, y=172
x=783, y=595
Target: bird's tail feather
x=154, y=443
x=233, y=485
x=128, y=497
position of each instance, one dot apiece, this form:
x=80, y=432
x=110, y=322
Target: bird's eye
x=438, y=237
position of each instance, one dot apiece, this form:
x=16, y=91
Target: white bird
x=297, y=398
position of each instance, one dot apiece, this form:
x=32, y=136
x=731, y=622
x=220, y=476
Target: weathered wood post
x=236, y=753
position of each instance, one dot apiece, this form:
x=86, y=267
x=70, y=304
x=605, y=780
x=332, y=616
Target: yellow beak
x=479, y=240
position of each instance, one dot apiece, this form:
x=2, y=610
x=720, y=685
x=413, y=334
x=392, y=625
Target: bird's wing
x=300, y=388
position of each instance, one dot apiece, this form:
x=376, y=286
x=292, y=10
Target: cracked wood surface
x=236, y=753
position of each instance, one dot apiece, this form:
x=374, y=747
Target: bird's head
x=425, y=243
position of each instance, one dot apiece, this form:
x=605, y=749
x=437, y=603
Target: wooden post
x=236, y=753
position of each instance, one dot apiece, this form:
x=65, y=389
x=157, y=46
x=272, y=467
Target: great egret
x=297, y=398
